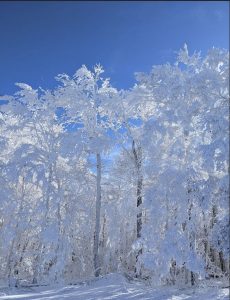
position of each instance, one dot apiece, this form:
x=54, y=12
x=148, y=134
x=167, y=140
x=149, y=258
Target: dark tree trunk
x=98, y=216
x=137, y=153
x=138, y=164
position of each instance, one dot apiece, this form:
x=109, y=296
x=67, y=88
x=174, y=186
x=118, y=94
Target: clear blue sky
x=40, y=39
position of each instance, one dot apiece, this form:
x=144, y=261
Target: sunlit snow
x=116, y=287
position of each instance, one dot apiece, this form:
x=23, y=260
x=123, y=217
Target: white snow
x=114, y=287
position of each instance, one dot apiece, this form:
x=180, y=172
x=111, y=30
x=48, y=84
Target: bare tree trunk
x=222, y=264
x=38, y=263
x=11, y=260
x=98, y=214
x=103, y=242
x=139, y=202
x=191, y=238
x=59, y=247
x=138, y=164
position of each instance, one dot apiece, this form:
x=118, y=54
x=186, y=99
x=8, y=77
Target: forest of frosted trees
x=96, y=180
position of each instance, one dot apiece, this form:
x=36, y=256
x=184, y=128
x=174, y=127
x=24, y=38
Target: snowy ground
x=114, y=287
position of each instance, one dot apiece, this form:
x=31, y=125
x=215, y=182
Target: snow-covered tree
x=96, y=180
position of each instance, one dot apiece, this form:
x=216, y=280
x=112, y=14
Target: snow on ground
x=114, y=287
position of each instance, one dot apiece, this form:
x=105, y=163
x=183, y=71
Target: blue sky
x=40, y=39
